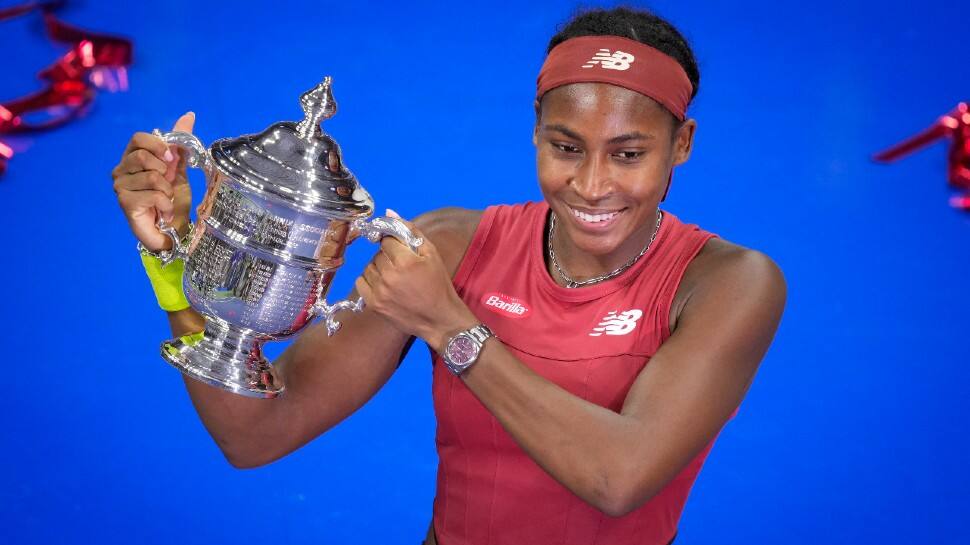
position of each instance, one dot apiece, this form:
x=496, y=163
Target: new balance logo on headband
x=610, y=61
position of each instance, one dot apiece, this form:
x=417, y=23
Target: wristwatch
x=463, y=349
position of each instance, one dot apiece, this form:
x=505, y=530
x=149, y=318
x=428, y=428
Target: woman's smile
x=594, y=219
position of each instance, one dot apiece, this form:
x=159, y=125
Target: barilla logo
x=505, y=305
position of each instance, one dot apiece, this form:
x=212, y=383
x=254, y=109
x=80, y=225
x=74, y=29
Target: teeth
x=593, y=218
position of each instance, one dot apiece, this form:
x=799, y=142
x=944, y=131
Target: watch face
x=462, y=350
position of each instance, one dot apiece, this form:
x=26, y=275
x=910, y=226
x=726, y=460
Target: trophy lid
x=297, y=163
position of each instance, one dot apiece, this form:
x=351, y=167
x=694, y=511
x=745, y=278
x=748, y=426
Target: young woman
x=587, y=349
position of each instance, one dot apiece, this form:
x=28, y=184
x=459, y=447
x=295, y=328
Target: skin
x=598, y=147
x=602, y=148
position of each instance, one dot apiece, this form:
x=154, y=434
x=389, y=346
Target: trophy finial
x=318, y=105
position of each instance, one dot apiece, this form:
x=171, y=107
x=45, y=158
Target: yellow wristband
x=167, y=282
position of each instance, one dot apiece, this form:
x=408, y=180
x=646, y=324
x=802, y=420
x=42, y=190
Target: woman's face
x=604, y=154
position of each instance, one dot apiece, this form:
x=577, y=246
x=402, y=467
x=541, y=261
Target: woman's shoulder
x=449, y=221
x=718, y=259
x=451, y=231
x=722, y=259
x=725, y=266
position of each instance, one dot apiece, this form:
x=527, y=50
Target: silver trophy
x=279, y=210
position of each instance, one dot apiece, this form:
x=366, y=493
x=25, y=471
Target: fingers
x=364, y=290
x=371, y=277
x=394, y=250
x=139, y=203
x=144, y=152
x=154, y=144
x=148, y=152
x=400, y=253
x=177, y=170
x=382, y=262
x=151, y=184
x=139, y=160
x=374, y=275
x=164, y=206
x=410, y=225
x=185, y=123
x=145, y=180
x=150, y=142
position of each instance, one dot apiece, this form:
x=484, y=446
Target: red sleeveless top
x=591, y=341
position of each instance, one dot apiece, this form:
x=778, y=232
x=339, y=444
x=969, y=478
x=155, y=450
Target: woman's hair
x=635, y=24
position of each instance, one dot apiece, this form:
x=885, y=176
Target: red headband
x=618, y=61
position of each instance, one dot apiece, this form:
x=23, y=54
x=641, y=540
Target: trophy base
x=225, y=356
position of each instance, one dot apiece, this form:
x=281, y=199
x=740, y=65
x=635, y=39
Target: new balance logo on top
x=610, y=61
x=618, y=324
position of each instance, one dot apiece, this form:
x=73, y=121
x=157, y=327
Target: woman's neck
x=581, y=266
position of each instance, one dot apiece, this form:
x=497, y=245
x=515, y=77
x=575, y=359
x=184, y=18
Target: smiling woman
x=587, y=349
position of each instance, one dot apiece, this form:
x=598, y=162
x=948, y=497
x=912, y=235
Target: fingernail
x=168, y=155
x=393, y=214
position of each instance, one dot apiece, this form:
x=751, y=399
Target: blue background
x=854, y=430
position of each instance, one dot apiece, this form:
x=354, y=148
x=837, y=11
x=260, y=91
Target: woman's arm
x=677, y=405
x=327, y=378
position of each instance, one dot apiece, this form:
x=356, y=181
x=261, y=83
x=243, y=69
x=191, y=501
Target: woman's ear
x=684, y=141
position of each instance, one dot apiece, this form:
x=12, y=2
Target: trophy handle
x=379, y=227
x=373, y=231
x=198, y=156
x=325, y=311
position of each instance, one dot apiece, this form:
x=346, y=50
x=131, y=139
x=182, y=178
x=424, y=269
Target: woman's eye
x=629, y=155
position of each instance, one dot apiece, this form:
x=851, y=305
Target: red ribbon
x=5, y=154
x=956, y=125
x=90, y=63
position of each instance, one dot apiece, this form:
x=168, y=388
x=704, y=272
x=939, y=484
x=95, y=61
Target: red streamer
x=955, y=125
x=92, y=61
x=5, y=154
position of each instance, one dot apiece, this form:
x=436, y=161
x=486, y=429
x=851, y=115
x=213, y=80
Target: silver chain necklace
x=570, y=283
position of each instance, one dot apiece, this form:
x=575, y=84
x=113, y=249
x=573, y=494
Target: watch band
x=480, y=333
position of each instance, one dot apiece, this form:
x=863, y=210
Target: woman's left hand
x=413, y=291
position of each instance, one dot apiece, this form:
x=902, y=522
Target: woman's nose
x=593, y=180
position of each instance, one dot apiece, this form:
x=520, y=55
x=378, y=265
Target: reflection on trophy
x=278, y=213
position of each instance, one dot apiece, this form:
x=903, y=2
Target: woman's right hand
x=151, y=183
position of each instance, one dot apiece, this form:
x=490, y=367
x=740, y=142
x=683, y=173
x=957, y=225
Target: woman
x=552, y=426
